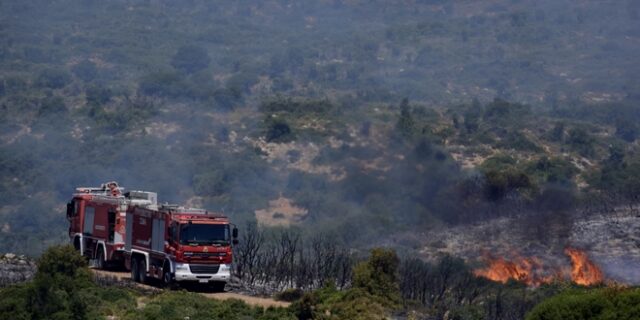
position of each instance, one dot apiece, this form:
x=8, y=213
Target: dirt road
x=251, y=300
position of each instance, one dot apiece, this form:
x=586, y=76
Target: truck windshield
x=204, y=234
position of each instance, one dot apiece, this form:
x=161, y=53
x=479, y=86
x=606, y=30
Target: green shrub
x=53, y=78
x=278, y=130
x=85, y=70
x=518, y=141
x=553, y=170
x=190, y=59
x=406, y=125
x=289, y=294
x=97, y=95
x=181, y=305
x=329, y=303
x=581, y=141
x=606, y=303
x=298, y=106
x=52, y=106
x=378, y=276
x=165, y=84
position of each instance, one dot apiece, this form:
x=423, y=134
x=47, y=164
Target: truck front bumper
x=203, y=273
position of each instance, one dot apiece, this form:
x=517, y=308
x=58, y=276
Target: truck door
x=157, y=235
x=128, y=238
x=111, y=217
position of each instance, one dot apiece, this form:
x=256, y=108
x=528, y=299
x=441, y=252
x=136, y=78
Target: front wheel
x=142, y=271
x=167, y=279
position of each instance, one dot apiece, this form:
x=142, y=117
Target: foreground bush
x=63, y=289
x=606, y=303
x=183, y=305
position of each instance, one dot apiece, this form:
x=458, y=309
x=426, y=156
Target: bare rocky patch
x=281, y=212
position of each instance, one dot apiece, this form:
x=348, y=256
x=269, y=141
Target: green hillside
x=372, y=116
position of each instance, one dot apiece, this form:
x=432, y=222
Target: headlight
x=224, y=267
x=182, y=266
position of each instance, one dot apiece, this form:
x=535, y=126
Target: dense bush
x=500, y=183
x=54, y=78
x=181, y=305
x=63, y=289
x=57, y=292
x=278, y=130
x=85, y=70
x=378, y=276
x=168, y=84
x=190, y=59
x=297, y=106
x=606, y=303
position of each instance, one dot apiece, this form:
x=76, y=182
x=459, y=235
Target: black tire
x=218, y=286
x=142, y=271
x=100, y=264
x=76, y=244
x=135, y=275
x=167, y=277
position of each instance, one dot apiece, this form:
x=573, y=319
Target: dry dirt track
x=254, y=301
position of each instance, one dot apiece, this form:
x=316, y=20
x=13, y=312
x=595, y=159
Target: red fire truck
x=168, y=242
x=97, y=220
x=180, y=244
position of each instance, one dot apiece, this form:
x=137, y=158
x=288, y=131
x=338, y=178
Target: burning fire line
x=583, y=270
x=532, y=271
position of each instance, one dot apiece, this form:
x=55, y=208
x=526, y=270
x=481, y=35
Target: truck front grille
x=204, y=268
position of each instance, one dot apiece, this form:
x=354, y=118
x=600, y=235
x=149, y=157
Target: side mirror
x=234, y=232
x=70, y=209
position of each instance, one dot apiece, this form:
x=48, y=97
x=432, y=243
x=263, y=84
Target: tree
x=627, y=130
x=97, y=95
x=406, y=124
x=53, y=78
x=278, y=130
x=378, y=276
x=190, y=59
x=580, y=140
x=168, y=84
x=557, y=133
x=85, y=70
x=52, y=106
x=55, y=294
x=227, y=98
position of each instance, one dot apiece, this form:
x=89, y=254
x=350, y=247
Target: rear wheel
x=142, y=271
x=135, y=275
x=100, y=258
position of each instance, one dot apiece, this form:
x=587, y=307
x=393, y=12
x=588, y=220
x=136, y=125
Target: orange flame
x=527, y=270
x=532, y=272
x=583, y=271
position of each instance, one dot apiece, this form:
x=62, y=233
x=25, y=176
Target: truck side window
x=173, y=235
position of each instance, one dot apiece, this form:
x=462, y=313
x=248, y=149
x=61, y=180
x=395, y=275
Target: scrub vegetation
x=378, y=122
